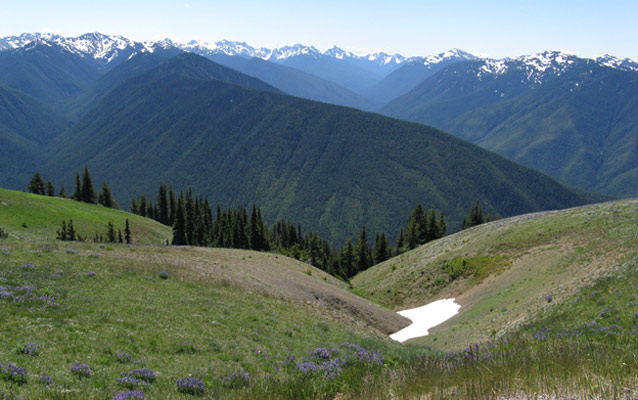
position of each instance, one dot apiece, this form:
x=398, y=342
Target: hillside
x=43, y=215
x=504, y=273
x=26, y=128
x=178, y=311
x=330, y=168
x=571, y=118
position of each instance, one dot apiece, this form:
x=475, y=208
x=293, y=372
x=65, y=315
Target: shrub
x=163, y=275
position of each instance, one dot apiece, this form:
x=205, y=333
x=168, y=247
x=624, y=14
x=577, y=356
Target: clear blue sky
x=497, y=28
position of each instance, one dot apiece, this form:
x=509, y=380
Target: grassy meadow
x=549, y=310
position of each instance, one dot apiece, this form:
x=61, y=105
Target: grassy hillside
x=505, y=272
x=34, y=217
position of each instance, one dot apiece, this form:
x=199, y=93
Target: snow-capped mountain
x=615, y=62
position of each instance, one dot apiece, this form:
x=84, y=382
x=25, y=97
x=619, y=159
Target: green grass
x=111, y=300
x=34, y=217
x=511, y=265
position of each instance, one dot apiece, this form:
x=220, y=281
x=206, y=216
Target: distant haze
x=412, y=27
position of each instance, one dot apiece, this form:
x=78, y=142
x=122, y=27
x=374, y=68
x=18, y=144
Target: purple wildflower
x=307, y=367
x=191, y=385
x=30, y=349
x=124, y=358
x=46, y=380
x=321, y=353
x=331, y=369
x=28, y=266
x=236, y=380
x=71, y=251
x=81, y=370
x=13, y=373
x=91, y=273
x=549, y=298
x=128, y=395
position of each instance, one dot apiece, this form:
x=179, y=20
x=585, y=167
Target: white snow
x=425, y=317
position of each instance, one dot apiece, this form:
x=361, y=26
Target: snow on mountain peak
x=617, y=63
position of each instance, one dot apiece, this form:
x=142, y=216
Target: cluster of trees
x=475, y=217
x=194, y=223
x=84, y=190
x=67, y=232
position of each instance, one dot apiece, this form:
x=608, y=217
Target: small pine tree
x=36, y=185
x=70, y=231
x=179, y=229
x=61, y=233
x=120, y=239
x=62, y=192
x=50, y=189
x=110, y=233
x=87, y=191
x=77, y=194
x=105, y=197
x=127, y=232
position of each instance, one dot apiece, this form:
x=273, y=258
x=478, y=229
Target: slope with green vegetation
x=29, y=216
x=578, y=126
x=86, y=320
x=330, y=168
x=504, y=273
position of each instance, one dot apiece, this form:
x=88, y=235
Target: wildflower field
x=82, y=320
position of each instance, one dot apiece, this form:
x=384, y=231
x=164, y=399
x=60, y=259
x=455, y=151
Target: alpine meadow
x=213, y=219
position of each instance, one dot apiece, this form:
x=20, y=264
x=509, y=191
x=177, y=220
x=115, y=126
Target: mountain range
x=162, y=115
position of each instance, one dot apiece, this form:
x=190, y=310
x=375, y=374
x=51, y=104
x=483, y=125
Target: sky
x=494, y=28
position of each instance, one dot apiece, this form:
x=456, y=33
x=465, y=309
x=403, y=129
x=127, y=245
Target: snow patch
x=425, y=317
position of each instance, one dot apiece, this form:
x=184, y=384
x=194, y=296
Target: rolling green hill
x=29, y=216
x=179, y=311
x=505, y=274
x=329, y=168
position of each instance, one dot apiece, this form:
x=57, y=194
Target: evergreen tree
x=400, y=242
x=162, y=203
x=127, y=232
x=61, y=233
x=475, y=216
x=50, y=189
x=87, y=189
x=142, y=206
x=77, y=194
x=347, y=261
x=134, y=208
x=179, y=233
x=70, y=231
x=172, y=208
x=120, y=239
x=432, y=226
x=362, y=252
x=441, y=228
x=62, y=193
x=36, y=185
x=105, y=197
x=381, y=248
x=110, y=232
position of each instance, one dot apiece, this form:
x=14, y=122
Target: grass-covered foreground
x=82, y=320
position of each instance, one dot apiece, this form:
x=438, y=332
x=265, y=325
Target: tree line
x=83, y=190
x=194, y=223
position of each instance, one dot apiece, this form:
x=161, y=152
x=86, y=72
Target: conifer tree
x=105, y=197
x=77, y=194
x=363, y=251
x=162, y=203
x=62, y=193
x=134, y=208
x=127, y=232
x=110, y=234
x=347, y=261
x=142, y=206
x=441, y=228
x=70, y=231
x=61, y=233
x=50, y=189
x=87, y=189
x=120, y=239
x=475, y=216
x=381, y=249
x=179, y=234
x=36, y=185
x=172, y=207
